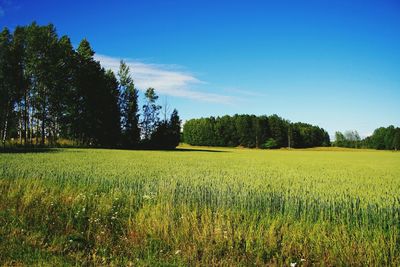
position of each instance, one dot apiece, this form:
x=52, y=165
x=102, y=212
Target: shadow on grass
x=169, y=150
x=197, y=150
x=11, y=150
x=19, y=149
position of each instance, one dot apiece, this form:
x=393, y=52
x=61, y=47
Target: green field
x=200, y=206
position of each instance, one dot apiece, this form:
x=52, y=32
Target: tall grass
x=193, y=207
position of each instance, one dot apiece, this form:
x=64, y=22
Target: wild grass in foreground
x=200, y=207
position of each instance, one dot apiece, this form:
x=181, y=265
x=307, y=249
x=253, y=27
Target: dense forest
x=253, y=132
x=50, y=91
x=382, y=138
x=275, y=132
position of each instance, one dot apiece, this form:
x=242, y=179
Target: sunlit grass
x=200, y=206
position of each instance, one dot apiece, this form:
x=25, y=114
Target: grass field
x=200, y=206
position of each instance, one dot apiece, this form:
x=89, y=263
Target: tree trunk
x=257, y=146
x=20, y=123
x=43, y=122
x=37, y=131
x=4, y=137
x=25, y=118
x=31, y=125
x=43, y=129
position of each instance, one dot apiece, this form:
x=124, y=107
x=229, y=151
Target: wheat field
x=200, y=206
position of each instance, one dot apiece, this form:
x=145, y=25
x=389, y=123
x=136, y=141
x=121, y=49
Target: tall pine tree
x=129, y=107
x=7, y=84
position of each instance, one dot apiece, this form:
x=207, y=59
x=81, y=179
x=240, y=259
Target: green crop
x=200, y=207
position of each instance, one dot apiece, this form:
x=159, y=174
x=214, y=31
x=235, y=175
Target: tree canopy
x=253, y=132
x=51, y=91
x=387, y=138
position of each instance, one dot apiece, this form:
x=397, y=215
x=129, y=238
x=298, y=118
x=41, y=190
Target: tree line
x=253, y=132
x=49, y=90
x=387, y=138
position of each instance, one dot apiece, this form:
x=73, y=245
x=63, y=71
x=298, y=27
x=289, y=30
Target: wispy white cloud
x=166, y=79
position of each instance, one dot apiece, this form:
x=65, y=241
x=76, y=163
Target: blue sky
x=331, y=63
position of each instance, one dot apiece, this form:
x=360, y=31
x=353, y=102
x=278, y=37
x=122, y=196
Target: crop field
x=200, y=206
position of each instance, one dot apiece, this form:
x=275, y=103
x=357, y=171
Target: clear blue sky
x=331, y=63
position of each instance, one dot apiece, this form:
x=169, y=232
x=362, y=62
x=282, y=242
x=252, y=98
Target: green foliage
x=396, y=139
x=49, y=91
x=167, y=133
x=129, y=107
x=252, y=131
x=97, y=114
x=382, y=138
x=229, y=207
x=150, y=114
x=8, y=92
x=271, y=143
x=85, y=51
